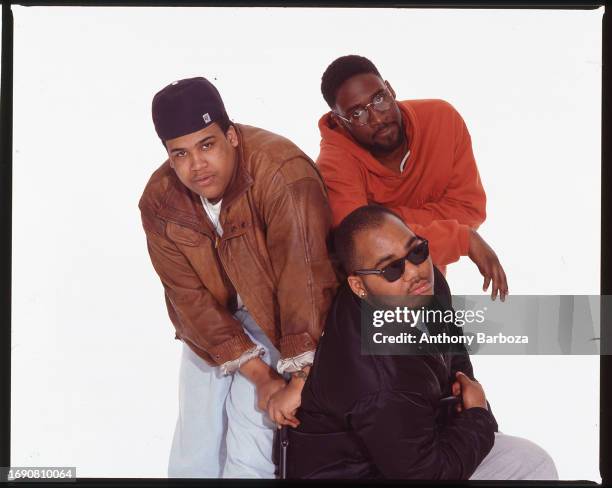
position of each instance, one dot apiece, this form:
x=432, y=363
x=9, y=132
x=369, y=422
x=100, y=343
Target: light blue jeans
x=219, y=432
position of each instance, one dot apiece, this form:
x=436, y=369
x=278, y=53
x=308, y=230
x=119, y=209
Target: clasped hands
x=275, y=396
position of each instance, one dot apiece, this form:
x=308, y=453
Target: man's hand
x=266, y=380
x=471, y=392
x=283, y=405
x=485, y=258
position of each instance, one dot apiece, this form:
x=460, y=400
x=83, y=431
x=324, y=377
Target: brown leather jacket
x=276, y=220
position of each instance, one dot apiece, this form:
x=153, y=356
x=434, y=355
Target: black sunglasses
x=395, y=269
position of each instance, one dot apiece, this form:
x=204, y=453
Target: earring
x=362, y=294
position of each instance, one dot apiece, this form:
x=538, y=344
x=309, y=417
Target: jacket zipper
x=225, y=273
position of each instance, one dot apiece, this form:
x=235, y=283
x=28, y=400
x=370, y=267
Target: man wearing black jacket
x=380, y=416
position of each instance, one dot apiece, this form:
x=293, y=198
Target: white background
x=94, y=361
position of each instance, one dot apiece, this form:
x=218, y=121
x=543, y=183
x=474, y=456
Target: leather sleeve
x=207, y=327
x=298, y=222
x=400, y=434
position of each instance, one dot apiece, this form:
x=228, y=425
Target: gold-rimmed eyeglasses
x=361, y=115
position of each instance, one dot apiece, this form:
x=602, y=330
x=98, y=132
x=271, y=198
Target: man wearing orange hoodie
x=414, y=157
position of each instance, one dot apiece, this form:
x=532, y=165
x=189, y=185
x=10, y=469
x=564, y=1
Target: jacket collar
x=242, y=179
x=184, y=207
x=441, y=290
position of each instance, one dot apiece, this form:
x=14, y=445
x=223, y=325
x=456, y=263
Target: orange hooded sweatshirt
x=439, y=194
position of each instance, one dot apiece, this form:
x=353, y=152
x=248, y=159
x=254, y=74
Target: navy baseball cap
x=186, y=106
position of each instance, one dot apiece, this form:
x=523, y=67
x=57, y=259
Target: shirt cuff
x=296, y=363
x=465, y=232
x=230, y=367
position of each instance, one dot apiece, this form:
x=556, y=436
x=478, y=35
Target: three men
x=236, y=221
x=387, y=416
x=414, y=157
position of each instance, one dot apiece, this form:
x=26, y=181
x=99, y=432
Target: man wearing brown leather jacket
x=236, y=221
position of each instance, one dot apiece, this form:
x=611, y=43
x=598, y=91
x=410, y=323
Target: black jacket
x=367, y=416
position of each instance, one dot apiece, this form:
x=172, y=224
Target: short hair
x=341, y=70
x=363, y=218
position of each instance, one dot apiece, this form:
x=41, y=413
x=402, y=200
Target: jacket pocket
x=183, y=235
x=262, y=263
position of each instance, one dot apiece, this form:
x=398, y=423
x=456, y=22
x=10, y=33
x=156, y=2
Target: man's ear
x=232, y=136
x=339, y=123
x=390, y=88
x=169, y=158
x=335, y=119
x=356, y=284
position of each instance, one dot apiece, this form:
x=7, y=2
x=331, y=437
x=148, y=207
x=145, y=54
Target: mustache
x=419, y=282
x=384, y=126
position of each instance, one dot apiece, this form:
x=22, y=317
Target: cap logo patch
x=206, y=117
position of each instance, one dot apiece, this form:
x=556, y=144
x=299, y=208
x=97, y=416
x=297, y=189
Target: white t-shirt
x=403, y=163
x=213, y=210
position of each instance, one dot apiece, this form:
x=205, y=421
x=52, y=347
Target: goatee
x=383, y=149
